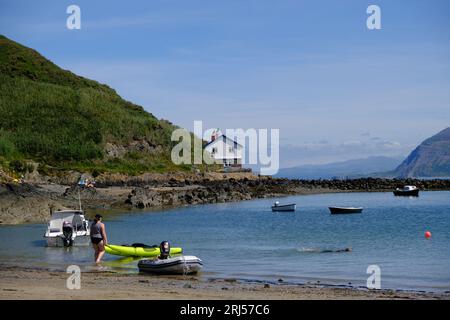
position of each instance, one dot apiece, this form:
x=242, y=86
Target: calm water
x=246, y=240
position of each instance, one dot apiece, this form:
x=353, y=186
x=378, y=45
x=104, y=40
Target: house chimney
x=213, y=136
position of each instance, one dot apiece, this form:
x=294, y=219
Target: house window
x=214, y=150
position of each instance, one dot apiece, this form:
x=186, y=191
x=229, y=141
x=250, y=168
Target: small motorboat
x=409, y=191
x=182, y=265
x=285, y=207
x=344, y=210
x=68, y=228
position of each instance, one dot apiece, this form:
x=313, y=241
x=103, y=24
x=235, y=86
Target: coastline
x=32, y=201
x=24, y=284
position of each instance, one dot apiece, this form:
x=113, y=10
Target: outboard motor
x=164, y=247
x=67, y=234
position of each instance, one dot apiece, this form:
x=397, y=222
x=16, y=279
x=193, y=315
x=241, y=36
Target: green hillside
x=64, y=121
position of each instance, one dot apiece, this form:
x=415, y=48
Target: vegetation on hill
x=64, y=121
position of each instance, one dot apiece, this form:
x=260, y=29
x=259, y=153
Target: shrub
x=17, y=166
x=6, y=147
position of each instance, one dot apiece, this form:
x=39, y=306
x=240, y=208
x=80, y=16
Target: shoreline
x=25, y=283
x=32, y=202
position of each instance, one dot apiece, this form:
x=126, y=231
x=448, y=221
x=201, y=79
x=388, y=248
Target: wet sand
x=22, y=283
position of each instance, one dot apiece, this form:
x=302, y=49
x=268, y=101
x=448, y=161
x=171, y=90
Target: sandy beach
x=23, y=284
x=22, y=204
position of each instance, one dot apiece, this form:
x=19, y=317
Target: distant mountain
x=350, y=168
x=430, y=159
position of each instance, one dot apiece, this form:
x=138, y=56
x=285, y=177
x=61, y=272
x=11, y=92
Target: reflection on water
x=246, y=240
x=125, y=264
x=38, y=243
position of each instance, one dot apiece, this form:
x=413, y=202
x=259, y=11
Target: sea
x=247, y=241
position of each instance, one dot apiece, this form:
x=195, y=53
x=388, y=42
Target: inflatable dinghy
x=138, y=250
x=176, y=265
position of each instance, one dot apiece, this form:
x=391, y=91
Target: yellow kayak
x=130, y=251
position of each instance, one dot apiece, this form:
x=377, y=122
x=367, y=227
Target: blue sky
x=335, y=89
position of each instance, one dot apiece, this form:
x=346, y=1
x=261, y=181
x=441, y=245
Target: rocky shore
x=34, y=199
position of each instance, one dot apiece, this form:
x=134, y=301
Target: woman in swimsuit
x=98, y=237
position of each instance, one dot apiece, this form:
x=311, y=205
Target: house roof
x=225, y=139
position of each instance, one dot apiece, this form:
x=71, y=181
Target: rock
x=31, y=202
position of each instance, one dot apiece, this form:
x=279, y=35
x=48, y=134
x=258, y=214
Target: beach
x=203, y=216
x=246, y=241
x=21, y=283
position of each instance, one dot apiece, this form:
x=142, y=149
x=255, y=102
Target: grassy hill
x=64, y=121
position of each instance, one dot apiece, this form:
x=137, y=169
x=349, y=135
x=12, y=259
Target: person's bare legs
x=101, y=252
x=96, y=251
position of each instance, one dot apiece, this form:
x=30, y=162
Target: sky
x=312, y=69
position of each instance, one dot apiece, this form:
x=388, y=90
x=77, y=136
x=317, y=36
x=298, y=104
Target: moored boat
x=345, y=210
x=174, y=265
x=411, y=191
x=284, y=207
x=67, y=228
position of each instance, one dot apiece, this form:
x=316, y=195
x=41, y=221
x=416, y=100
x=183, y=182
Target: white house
x=225, y=150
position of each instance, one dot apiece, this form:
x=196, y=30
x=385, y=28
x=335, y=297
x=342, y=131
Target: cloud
x=352, y=143
x=311, y=132
x=390, y=145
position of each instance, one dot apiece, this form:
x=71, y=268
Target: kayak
x=134, y=251
x=176, y=265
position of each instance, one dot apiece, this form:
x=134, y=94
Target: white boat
x=67, y=228
x=175, y=265
x=285, y=207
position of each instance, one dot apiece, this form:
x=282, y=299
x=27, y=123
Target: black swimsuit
x=96, y=240
x=96, y=233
